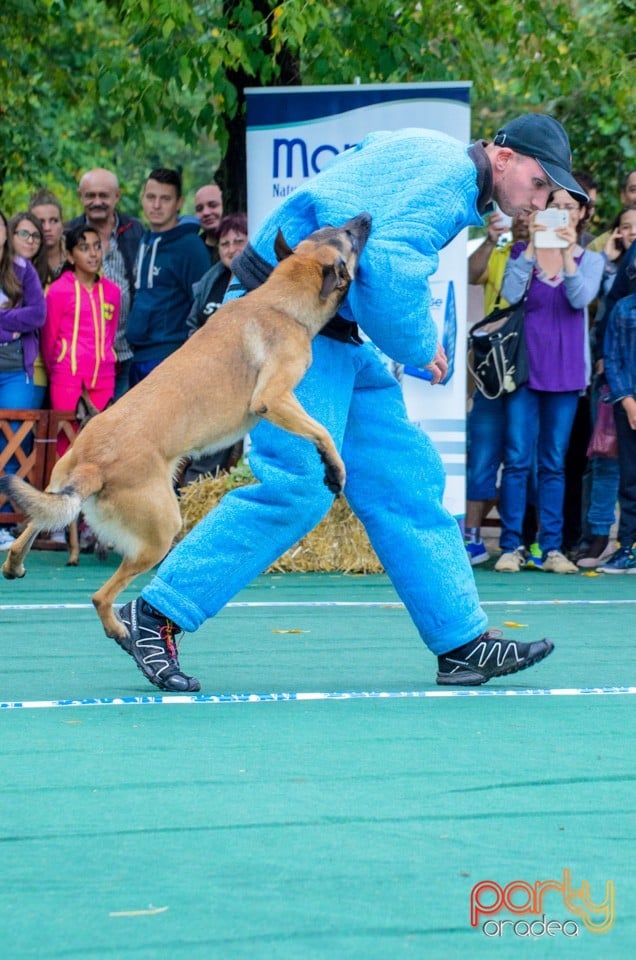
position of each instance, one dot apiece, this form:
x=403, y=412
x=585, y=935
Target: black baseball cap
x=541, y=137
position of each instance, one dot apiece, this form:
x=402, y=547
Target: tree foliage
x=126, y=81
x=70, y=82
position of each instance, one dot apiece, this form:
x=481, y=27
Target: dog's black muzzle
x=358, y=229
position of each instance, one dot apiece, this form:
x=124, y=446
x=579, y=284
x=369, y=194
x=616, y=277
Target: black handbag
x=497, y=355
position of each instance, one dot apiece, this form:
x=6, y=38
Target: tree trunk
x=232, y=173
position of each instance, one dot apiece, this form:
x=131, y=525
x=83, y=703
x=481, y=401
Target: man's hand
x=438, y=365
x=496, y=226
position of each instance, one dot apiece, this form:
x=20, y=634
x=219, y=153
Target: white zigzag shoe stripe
x=486, y=651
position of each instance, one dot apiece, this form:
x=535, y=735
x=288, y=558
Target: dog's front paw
x=117, y=631
x=334, y=478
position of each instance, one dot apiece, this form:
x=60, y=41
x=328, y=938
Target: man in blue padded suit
x=421, y=188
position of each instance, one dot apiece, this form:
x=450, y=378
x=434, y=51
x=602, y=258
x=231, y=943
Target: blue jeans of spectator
x=543, y=421
x=485, y=431
x=16, y=393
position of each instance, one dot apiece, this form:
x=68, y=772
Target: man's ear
x=503, y=157
x=281, y=247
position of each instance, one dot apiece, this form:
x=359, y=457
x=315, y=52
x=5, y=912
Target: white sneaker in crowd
x=6, y=538
x=511, y=562
x=555, y=562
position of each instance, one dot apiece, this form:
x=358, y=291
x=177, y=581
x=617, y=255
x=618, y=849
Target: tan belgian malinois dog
x=241, y=366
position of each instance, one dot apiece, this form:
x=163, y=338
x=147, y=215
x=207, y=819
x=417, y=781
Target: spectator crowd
x=530, y=451
x=89, y=307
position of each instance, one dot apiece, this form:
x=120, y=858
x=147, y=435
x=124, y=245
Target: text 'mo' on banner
x=293, y=133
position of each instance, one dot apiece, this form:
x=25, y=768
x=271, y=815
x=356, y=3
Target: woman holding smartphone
x=560, y=281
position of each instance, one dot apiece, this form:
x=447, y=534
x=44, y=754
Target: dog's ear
x=85, y=409
x=281, y=247
x=334, y=277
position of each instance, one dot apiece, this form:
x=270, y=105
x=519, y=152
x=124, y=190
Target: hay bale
x=338, y=544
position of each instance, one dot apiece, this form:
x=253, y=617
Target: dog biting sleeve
x=420, y=187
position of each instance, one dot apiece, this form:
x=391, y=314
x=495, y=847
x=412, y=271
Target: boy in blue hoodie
x=171, y=258
x=395, y=478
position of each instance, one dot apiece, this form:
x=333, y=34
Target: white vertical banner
x=292, y=134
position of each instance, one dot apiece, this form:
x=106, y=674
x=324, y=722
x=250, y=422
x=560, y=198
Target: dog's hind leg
x=284, y=410
x=13, y=566
x=128, y=569
x=104, y=598
x=73, y=544
x=155, y=523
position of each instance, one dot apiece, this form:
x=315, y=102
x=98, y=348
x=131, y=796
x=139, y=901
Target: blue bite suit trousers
x=395, y=482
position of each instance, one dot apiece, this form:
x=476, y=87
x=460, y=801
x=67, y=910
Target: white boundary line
x=379, y=604
x=220, y=698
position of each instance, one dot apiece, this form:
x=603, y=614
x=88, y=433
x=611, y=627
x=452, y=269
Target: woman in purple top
x=561, y=281
x=22, y=312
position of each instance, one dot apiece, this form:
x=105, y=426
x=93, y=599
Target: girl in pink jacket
x=82, y=310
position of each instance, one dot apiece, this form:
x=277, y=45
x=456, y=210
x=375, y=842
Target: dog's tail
x=53, y=510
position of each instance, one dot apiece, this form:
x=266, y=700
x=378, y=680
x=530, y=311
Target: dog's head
x=336, y=249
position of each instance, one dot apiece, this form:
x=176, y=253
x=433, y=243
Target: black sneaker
x=490, y=655
x=152, y=645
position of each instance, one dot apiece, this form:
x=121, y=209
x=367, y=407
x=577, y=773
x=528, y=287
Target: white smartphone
x=553, y=219
x=505, y=220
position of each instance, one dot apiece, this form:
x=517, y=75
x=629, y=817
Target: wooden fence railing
x=30, y=439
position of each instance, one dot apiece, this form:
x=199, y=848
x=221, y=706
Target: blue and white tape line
x=379, y=604
x=297, y=697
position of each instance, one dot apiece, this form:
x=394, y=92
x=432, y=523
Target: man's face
x=628, y=196
x=161, y=205
x=208, y=207
x=521, y=186
x=99, y=193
